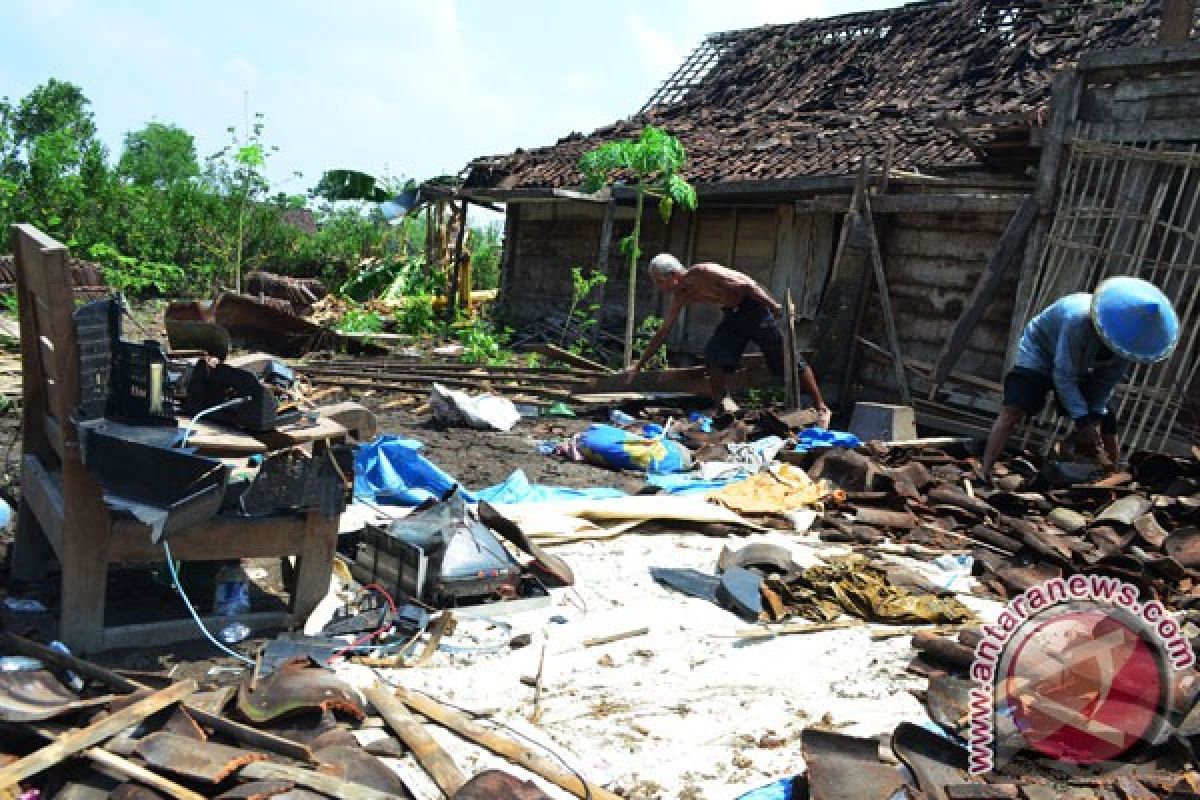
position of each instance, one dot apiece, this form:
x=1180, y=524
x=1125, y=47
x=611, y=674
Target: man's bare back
x=712, y=283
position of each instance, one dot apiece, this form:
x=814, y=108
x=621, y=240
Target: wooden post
x=864, y=286
x=885, y=302
x=1175, y=24
x=604, y=248
x=452, y=292
x=791, y=380
x=1006, y=253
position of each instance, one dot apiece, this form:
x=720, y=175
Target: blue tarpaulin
x=812, y=438
x=392, y=470
x=517, y=489
x=779, y=790
x=690, y=484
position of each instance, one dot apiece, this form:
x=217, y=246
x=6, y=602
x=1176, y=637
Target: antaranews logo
x=1076, y=669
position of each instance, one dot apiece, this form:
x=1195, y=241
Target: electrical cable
x=192, y=609
x=187, y=431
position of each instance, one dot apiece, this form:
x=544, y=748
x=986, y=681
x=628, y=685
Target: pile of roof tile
x=815, y=97
x=1142, y=526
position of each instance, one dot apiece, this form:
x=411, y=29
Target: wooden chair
x=62, y=513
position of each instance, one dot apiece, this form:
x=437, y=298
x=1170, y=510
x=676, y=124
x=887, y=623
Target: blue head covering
x=1134, y=319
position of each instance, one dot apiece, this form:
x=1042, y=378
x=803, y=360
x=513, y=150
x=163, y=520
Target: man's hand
x=824, y=417
x=1087, y=440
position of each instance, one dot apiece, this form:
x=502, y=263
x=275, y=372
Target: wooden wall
x=932, y=263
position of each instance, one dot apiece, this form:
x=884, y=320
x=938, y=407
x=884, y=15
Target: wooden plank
x=211, y=438
x=1149, y=56
x=83, y=738
x=556, y=353
x=885, y=303
x=514, y=751
x=945, y=203
x=1178, y=130
x=156, y=634
x=314, y=565
x=43, y=492
x=221, y=537
x=427, y=751
x=327, y=784
x=295, y=433
x=140, y=774
x=1008, y=249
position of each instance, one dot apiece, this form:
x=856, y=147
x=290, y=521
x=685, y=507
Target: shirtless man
x=749, y=317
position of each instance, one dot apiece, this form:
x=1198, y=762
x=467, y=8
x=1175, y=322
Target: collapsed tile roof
x=814, y=97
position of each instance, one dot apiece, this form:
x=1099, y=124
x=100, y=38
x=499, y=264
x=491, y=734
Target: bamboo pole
x=501, y=745
x=427, y=751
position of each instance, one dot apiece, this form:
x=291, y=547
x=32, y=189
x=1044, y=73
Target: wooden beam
x=140, y=774
x=428, y=752
x=1068, y=90
x=885, y=302
x=82, y=738
x=1150, y=56
x=456, y=274
x=1007, y=253
x=556, y=353
x=514, y=751
x=942, y=203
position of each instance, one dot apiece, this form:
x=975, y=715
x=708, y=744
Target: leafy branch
x=652, y=161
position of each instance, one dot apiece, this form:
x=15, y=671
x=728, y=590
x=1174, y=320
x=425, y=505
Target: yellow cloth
x=781, y=489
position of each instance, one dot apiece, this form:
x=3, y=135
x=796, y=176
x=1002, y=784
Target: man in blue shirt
x=1080, y=347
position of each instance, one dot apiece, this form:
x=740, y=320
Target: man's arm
x=760, y=294
x=660, y=336
x=1068, y=357
x=1103, y=383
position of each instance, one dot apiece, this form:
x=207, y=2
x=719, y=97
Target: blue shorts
x=749, y=322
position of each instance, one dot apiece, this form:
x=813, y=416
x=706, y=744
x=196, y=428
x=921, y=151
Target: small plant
x=585, y=317
x=653, y=161
x=533, y=360
x=9, y=302
x=361, y=320
x=483, y=344
x=645, y=332
x=416, y=316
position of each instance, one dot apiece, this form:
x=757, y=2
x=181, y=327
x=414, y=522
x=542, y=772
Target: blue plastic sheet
x=690, y=484
x=392, y=470
x=779, y=790
x=813, y=438
x=517, y=489
x=613, y=447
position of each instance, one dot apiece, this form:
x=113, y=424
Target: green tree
x=54, y=170
x=158, y=156
x=652, y=161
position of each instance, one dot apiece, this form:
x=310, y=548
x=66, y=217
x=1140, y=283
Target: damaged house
x=978, y=199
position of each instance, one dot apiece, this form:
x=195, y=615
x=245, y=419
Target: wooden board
x=83, y=738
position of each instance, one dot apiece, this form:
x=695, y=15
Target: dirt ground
x=685, y=710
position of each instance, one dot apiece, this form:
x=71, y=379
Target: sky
x=401, y=88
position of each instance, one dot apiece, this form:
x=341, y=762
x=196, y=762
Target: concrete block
x=883, y=422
